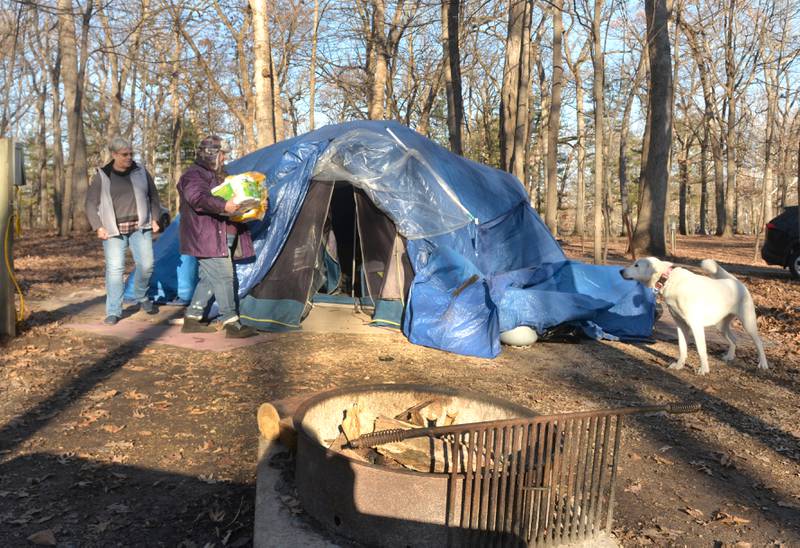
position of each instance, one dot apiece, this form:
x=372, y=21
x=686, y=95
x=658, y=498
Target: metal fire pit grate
x=537, y=482
x=540, y=481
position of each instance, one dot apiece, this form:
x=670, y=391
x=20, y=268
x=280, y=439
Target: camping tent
x=447, y=249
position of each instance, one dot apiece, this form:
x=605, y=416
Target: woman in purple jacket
x=207, y=233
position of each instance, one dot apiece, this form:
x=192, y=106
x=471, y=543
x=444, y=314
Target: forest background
x=620, y=117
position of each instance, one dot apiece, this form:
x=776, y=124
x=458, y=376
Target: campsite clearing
x=105, y=440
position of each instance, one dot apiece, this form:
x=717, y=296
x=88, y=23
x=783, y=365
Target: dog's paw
x=676, y=365
x=728, y=357
x=703, y=370
x=763, y=365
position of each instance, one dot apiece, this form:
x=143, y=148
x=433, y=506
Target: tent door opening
x=361, y=254
x=336, y=226
x=363, y=244
x=340, y=249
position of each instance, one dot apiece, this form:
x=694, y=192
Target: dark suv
x=782, y=241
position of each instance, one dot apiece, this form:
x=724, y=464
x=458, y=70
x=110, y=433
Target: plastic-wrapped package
x=246, y=190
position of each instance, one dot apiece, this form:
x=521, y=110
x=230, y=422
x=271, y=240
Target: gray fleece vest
x=140, y=193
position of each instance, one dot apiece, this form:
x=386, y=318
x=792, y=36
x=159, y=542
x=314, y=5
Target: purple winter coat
x=203, y=231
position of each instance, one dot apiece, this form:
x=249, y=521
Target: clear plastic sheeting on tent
x=398, y=179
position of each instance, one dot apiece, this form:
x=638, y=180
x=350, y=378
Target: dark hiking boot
x=111, y=320
x=193, y=325
x=235, y=330
x=149, y=307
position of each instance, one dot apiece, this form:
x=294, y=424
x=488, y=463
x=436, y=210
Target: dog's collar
x=662, y=280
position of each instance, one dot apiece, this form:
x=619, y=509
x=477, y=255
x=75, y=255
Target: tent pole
x=353, y=272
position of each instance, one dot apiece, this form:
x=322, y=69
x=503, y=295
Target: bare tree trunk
x=732, y=168
x=580, y=137
x=119, y=74
x=645, y=150
x=42, y=203
x=704, y=182
x=624, y=131
x=510, y=86
x=730, y=139
x=770, y=88
x=427, y=105
x=711, y=120
x=766, y=195
x=608, y=209
x=377, y=98
x=411, y=83
x=176, y=133
x=554, y=121
x=719, y=185
x=514, y=123
x=452, y=72
x=683, y=168
x=52, y=67
x=312, y=76
x=649, y=235
x=580, y=183
x=73, y=74
x=598, y=92
x=714, y=129
x=128, y=133
x=5, y=116
x=264, y=75
x=60, y=211
x=522, y=128
x=277, y=101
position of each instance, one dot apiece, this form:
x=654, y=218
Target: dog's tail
x=711, y=268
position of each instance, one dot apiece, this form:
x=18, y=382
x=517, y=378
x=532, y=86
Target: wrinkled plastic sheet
x=455, y=306
x=398, y=179
x=593, y=297
x=450, y=307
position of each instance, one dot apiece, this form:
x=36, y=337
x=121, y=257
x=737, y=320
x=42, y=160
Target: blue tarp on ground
x=483, y=260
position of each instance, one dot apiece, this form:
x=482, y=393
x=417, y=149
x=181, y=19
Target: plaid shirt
x=128, y=227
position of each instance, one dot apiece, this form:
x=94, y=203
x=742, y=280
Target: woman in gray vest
x=122, y=206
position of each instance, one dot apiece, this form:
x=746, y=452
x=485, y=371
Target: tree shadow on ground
x=632, y=384
x=94, y=503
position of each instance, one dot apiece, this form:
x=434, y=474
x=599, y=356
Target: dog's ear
x=657, y=265
x=652, y=268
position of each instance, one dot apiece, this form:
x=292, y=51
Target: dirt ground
x=105, y=442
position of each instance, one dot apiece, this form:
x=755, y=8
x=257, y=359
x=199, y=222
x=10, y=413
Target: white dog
x=696, y=302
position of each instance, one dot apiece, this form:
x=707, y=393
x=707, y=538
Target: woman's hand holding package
x=231, y=207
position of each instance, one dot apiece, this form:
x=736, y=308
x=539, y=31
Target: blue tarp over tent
x=483, y=261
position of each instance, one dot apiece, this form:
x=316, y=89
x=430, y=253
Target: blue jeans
x=141, y=244
x=216, y=280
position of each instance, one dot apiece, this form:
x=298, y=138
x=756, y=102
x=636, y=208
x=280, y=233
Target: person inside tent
x=207, y=233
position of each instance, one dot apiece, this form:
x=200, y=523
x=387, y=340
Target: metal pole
x=355, y=243
x=8, y=319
